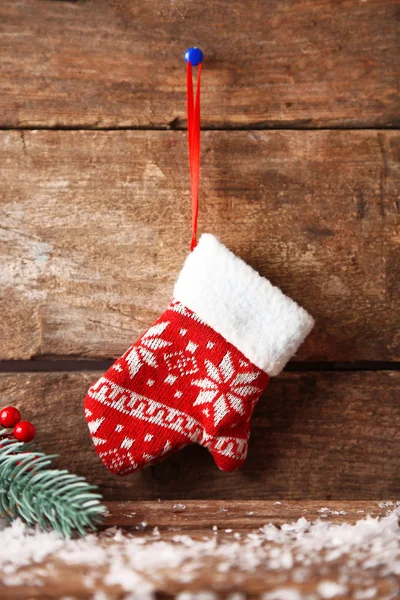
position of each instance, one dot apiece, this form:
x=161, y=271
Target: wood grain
x=95, y=227
x=314, y=436
x=211, y=569
x=242, y=515
x=119, y=63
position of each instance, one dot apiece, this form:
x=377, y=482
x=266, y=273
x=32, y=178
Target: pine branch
x=51, y=498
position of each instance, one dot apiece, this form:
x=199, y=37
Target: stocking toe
x=229, y=454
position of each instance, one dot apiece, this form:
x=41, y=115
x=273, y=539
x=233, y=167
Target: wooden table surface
x=185, y=550
x=300, y=177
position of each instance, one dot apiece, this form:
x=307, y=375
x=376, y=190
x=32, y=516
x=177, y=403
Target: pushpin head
x=194, y=56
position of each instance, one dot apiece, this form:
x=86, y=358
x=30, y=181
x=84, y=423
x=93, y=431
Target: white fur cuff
x=245, y=308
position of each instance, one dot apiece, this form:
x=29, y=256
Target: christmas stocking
x=196, y=375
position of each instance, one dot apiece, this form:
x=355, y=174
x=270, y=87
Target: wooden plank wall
x=300, y=177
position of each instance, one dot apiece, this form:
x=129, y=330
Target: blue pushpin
x=194, y=55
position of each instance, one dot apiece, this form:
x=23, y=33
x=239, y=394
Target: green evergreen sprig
x=52, y=498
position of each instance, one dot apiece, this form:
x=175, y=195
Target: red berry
x=24, y=431
x=9, y=416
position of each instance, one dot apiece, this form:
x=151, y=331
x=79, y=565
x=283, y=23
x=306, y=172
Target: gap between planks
x=177, y=125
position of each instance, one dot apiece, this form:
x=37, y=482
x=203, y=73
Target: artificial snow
x=331, y=589
x=140, y=563
x=284, y=593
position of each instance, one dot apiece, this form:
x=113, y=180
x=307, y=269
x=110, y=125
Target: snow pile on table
x=331, y=560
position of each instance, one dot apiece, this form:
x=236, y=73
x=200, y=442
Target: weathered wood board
x=242, y=515
x=119, y=63
x=315, y=435
x=95, y=227
x=215, y=550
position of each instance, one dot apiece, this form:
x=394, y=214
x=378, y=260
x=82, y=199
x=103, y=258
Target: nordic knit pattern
x=181, y=383
x=196, y=375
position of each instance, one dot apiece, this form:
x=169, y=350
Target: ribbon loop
x=193, y=120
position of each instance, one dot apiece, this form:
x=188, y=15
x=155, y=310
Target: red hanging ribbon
x=193, y=119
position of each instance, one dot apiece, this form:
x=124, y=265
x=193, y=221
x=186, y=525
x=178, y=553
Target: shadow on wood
x=322, y=435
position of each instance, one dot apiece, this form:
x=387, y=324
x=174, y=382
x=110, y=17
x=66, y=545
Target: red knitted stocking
x=196, y=375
